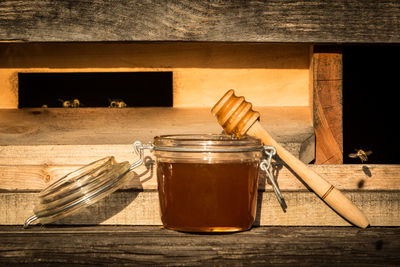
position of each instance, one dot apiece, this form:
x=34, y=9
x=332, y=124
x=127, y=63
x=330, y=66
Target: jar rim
x=206, y=143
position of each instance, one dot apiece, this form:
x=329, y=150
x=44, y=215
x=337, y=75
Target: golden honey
x=211, y=190
x=208, y=197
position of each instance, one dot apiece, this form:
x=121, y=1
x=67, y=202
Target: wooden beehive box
x=294, y=82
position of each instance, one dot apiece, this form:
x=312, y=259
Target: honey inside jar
x=208, y=189
x=208, y=196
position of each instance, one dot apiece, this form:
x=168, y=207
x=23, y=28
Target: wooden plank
x=215, y=55
x=373, y=188
x=79, y=136
x=134, y=246
x=327, y=83
x=314, y=21
x=268, y=74
x=345, y=177
x=142, y=208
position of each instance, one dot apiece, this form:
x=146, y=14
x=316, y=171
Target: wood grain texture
x=257, y=21
x=328, y=116
x=79, y=136
x=269, y=74
x=106, y=55
x=344, y=177
x=373, y=188
x=142, y=208
x=261, y=246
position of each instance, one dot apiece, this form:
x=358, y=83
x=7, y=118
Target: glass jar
x=207, y=183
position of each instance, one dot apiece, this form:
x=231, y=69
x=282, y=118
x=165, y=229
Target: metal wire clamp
x=266, y=166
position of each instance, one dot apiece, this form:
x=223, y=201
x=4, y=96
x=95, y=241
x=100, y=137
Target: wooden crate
x=296, y=87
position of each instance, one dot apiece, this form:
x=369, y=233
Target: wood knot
x=16, y=129
x=47, y=178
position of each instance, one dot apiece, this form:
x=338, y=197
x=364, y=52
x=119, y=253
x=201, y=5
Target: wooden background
x=314, y=21
x=374, y=187
x=268, y=74
x=119, y=24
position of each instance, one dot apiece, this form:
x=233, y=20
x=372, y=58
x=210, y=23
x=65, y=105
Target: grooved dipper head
x=234, y=114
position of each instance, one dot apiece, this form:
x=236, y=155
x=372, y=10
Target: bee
x=117, y=103
x=66, y=103
x=122, y=104
x=75, y=103
x=70, y=103
x=363, y=155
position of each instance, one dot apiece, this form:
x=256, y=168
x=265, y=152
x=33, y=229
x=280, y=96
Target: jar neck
x=206, y=143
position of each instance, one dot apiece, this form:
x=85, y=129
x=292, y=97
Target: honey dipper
x=237, y=117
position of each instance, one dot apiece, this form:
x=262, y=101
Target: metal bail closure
x=266, y=166
x=84, y=187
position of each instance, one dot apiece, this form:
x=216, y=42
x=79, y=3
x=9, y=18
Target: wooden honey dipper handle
x=237, y=117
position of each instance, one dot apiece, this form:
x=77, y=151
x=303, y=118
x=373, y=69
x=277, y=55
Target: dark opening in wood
x=95, y=89
x=370, y=102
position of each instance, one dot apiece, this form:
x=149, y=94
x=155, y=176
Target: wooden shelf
x=261, y=246
x=79, y=136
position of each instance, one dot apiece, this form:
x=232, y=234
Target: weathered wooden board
x=142, y=208
x=261, y=246
x=79, y=136
x=327, y=69
x=268, y=74
x=257, y=21
x=345, y=177
x=373, y=188
x=104, y=55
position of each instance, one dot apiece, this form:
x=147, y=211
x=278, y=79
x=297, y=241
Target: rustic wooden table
x=138, y=245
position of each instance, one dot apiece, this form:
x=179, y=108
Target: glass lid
x=79, y=189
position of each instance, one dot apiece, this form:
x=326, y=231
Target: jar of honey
x=207, y=183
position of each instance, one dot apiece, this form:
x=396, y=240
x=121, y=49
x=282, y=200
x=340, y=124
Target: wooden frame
x=269, y=74
x=327, y=82
x=31, y=24
x=43, y=157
